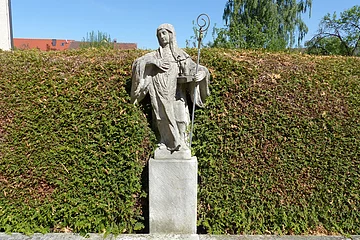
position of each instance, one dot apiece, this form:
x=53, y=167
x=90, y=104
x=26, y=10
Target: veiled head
x=172, y=36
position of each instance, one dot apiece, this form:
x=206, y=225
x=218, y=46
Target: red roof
x=42, y=44
x=59, y=44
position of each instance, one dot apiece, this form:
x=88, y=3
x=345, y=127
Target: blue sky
x=132, y=20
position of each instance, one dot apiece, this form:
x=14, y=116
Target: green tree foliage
x=194, y=39
x=325, y=46
x=96, y=40
x=337, y=36
x=271, y=24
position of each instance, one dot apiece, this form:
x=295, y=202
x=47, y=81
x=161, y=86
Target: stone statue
x=169, y=76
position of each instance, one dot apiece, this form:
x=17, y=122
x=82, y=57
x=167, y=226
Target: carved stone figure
x=169, y=76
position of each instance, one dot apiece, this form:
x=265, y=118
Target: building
x=5, y=25
x=42, y=44
x=58, y=44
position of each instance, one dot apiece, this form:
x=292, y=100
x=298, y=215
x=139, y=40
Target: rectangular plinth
x=173, y=196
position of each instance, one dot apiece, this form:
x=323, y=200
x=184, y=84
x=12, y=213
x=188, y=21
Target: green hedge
x=278, y=144
x=74, y=148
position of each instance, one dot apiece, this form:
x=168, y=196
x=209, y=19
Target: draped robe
x=168, y=98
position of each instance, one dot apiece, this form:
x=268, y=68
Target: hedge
x=74, y=148
x=278, y=143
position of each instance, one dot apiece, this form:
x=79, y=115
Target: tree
x=194, y=39
x=325, y=46
x=271, y=24
x=98, y=39
x=337, y=36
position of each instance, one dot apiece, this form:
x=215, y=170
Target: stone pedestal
x=173, y=196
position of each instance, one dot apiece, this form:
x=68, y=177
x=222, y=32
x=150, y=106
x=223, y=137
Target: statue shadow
x=146, y=108
x=145, y=201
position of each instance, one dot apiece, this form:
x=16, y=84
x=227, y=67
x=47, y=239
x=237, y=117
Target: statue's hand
x=199, y=76
x=140, y=87
x=160, y=63
x=164, y=64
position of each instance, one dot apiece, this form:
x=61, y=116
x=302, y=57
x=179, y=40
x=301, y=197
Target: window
x=53, y=42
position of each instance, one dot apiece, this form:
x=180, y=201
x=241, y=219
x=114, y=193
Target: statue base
x=173, y=196
x=163, y=153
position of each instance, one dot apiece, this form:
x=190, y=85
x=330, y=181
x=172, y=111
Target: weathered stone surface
x=274, y=237
x=5, y=25
x=174, y=237
x=58, y=236
x=173, y=196
x=165, y=154
x=71, y=236
x=170, y=77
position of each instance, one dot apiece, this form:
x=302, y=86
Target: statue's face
x=164, y=37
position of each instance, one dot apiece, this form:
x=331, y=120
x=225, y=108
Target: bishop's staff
x=203, y=27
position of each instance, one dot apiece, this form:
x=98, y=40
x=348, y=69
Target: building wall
x=5, y=25
x=42, y=44
x=59, y=44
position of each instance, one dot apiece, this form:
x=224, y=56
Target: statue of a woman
x=158, y=73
